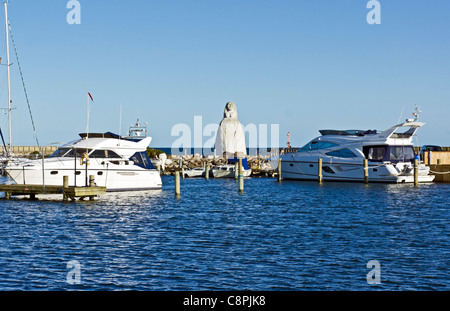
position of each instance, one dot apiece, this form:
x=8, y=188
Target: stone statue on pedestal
x=230, y=138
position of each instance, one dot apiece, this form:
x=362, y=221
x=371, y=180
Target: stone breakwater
x=259, y=165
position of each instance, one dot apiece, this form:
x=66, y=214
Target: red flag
x=90, y=96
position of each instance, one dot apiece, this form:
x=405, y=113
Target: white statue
x=230, y=138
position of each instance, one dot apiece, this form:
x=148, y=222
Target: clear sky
x=303, y=64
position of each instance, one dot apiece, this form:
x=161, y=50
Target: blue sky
x=305, y=65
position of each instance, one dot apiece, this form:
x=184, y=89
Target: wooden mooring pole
x=177, y=183
x=241, y=177
x=416, y=172
x=319, y=171
x=91, y=181
x=65, y=186
x=65, y=181
x=207, y=172
x=279, y=170
x=366, y=171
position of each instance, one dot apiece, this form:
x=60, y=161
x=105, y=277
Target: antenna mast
x=416, y=113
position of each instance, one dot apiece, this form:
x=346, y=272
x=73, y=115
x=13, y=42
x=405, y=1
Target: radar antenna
x=416, y=113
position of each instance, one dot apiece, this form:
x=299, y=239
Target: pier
x=441, y=172
x=68, y=192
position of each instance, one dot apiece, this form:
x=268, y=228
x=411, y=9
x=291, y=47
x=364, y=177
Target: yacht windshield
x=141, y=159
x=69, y=152
x=315, y=145
x=60, y=152
x=104, y=154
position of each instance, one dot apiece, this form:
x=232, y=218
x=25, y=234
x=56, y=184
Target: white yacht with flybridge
x=390, y=156
x=117, y=163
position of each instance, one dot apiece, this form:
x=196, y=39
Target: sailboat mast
x=9, y=79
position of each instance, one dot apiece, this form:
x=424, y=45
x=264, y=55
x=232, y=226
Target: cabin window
x=328, y=170
x=315, y=145
x=389, y=153
x=374, y=153
x=104, y=154
x=401, y=153
x=99, y=173
x=53, y=172
x=342, y=153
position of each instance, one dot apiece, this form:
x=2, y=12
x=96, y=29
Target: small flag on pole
x=90, y=96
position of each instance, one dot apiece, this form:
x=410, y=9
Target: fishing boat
x=115, y=162
x=228, y=170
x=390, y=156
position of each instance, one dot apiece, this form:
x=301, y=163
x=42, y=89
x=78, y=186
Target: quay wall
x=29, y=150
x=444, y=169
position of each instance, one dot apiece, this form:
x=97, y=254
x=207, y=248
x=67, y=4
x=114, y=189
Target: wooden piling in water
x=319, y=171
x=65, y=186
x=91, y=181
x=236, y=170
x=207, y=172
x=416, y=172
x=177, y=183
x=241, y=177
x=279, y=170
x=366, y=171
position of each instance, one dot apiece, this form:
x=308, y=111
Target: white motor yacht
x=390, y=156
x=117, y=163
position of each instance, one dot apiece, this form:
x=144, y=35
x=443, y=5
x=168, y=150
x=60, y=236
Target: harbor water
x=272, y=237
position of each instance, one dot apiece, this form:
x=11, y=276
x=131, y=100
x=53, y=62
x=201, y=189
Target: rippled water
x=287, y=236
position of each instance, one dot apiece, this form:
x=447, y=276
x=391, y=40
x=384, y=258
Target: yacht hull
x=118, y=178
x=353, y=172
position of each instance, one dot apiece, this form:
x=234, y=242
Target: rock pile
x=257, y=164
